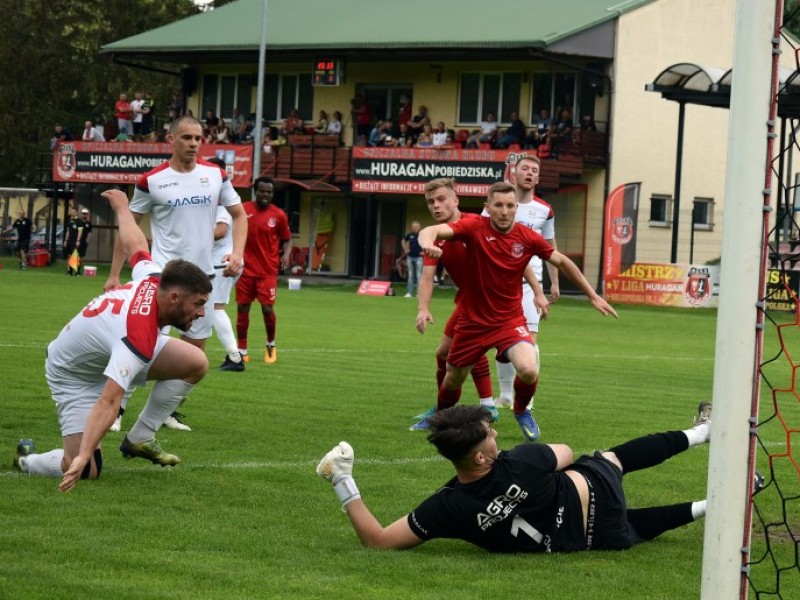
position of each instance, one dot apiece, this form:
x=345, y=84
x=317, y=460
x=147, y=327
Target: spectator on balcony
x=293, y=123
x=440, y=135
x=122, y=110
x=362, y=115
x=404, y=115
x=91, y=133
x=515, y=134
x=539, y=134
x=212, y=120
x=417, y=124
x=377, y=136
x=561, y=135
x=60, y=135
x=322, y=122
x=486, y=134
x=335, y=124
x=425, y=139
x=237, y=126
x=404, y=137
x=220, y=134
x=587, y=123
x=389, y=130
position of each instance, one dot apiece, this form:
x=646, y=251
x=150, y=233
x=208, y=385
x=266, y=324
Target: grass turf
x=245, y=515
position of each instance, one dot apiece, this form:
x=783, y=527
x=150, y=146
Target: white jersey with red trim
x=184, y=210
x=224, y=245
x=114, y=336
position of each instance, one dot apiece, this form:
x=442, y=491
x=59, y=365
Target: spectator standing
x=137, y=108
x=515, y=134
x=91, y=134
x=84, y=233
x=24, y=227
x=417, y=124
x=122, y=110
x=71, y=234
x=60, y=135
x=237, y=126
x=212, y=120
x=148, y=112
x=362, y=115
x=413, y=253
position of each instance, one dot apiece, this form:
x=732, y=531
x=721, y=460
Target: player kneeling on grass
x=113, y=345
x=533, y=498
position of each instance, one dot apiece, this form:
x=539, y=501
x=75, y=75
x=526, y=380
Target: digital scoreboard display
x=326, y=72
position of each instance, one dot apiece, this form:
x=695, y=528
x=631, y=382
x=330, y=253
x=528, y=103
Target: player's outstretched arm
x=571, y=270
x=337, y=467
x=539, y=299
x=125, y=241
x=430, y=234
x=424, y=294
x=552, y=271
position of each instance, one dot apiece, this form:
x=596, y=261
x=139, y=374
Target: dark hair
x=185, y=275
x=262, y=180
x=456, y=431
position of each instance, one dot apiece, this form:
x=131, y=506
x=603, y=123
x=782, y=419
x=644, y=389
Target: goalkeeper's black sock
x=650, y=450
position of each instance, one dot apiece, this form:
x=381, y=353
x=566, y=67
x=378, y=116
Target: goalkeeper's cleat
x=426, y=415
x=175, y=421
x=529, y=426
x=24, y=448
x=703, y=414
x=270, y=354
x=421, y=426
x=148, y=450
x=229, y=365
x=494, y=412
x=117, y=424
x=758, y=481
x=503, y=402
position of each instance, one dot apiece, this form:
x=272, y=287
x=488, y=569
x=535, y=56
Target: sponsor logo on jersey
x=166, y=185
x=698, y=286
x=191, y=201
x=517, y=249
x=490, y=238
x=501, y=507
x=204, y=181
x=272, y=222
x=145, y=300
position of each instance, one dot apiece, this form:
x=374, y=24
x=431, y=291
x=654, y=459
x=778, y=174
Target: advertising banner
x=782, y=290
x=123, y=162
x=665, y=284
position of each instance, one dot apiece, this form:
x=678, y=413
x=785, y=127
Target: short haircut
x=530, y=157
x=188, y=276
x=262, y=180
x=501, y=187
x=456, y=431
x=182, y=119
x=439, y=182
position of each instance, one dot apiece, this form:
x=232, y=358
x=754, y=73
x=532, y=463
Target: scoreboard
x=325, y=72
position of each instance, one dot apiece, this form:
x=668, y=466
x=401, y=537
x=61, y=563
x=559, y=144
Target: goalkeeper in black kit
x=533, y=498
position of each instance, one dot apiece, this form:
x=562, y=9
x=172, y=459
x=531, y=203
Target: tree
x=53, y=71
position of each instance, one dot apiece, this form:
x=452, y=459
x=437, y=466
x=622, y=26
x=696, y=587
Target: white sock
x=48, y=463
x=165, y=398
x=505, y=377
x=271, y=344
x=224, y=330
x=487, y=401
x=698, y=509
x=699, y=434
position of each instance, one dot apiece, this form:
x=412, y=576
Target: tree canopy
x=53, y=71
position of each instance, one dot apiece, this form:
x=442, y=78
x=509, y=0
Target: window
x=557, y=91
x=223, y=93
x=282, y=93
x=703, y=214
x=484, y=93
x=660, y=210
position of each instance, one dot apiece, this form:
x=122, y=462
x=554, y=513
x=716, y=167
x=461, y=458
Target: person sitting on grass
x=532, y=498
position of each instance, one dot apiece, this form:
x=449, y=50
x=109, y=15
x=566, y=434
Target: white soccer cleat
x=117, y=424
x=173, y=422
x=503, y=402
x=337, y=464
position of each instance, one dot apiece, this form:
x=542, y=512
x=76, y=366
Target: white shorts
x=202, y=327
x=529, y=308
x=223, y=286
x=75, y=398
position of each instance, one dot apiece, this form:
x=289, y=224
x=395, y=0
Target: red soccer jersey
x=266, y=229
x=491, y=294
x=454, y=258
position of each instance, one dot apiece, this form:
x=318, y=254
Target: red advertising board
x=369, y=287
x=407, y=170
x=123, y=162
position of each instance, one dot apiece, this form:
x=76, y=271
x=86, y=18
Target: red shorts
x=263, y=289
x=472, y=341
x=450, y=326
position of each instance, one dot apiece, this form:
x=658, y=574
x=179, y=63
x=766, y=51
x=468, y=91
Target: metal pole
x=676, y=195
x=262, y=57
x=691, y=233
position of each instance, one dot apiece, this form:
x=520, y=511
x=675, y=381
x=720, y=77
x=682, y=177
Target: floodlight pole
x=736, y=383
x=257, y=129
x=676, y=194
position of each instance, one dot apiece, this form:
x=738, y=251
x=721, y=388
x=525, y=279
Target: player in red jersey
x=114, y=345
x=491, y=300
x=268, y=227
x=442, y=201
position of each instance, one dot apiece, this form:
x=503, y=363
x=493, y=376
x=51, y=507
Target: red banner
x=621, y=221
x=123, y=162
x=407, y=170
x=369, y=287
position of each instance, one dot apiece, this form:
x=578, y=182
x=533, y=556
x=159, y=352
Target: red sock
x=269, y=324
x=482, y=378
x=242, y=325
x=523, y=392
x=441, y=371
x=447, y=398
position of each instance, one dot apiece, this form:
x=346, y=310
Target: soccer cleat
x=229, y=365
x=703, y=414
x=494, y=412
x=502, y=402
x=24, y=448
x=174, y=421
x=421, y=426
x=408, y=296
x=426, y=415
x=148, y=450
x=245, y=357
x=529, y=426
x=270, y=354
x=758, y=481
x=117, y=424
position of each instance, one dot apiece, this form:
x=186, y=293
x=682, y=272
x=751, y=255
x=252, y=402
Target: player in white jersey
x=182, y=196
x=113, y=345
